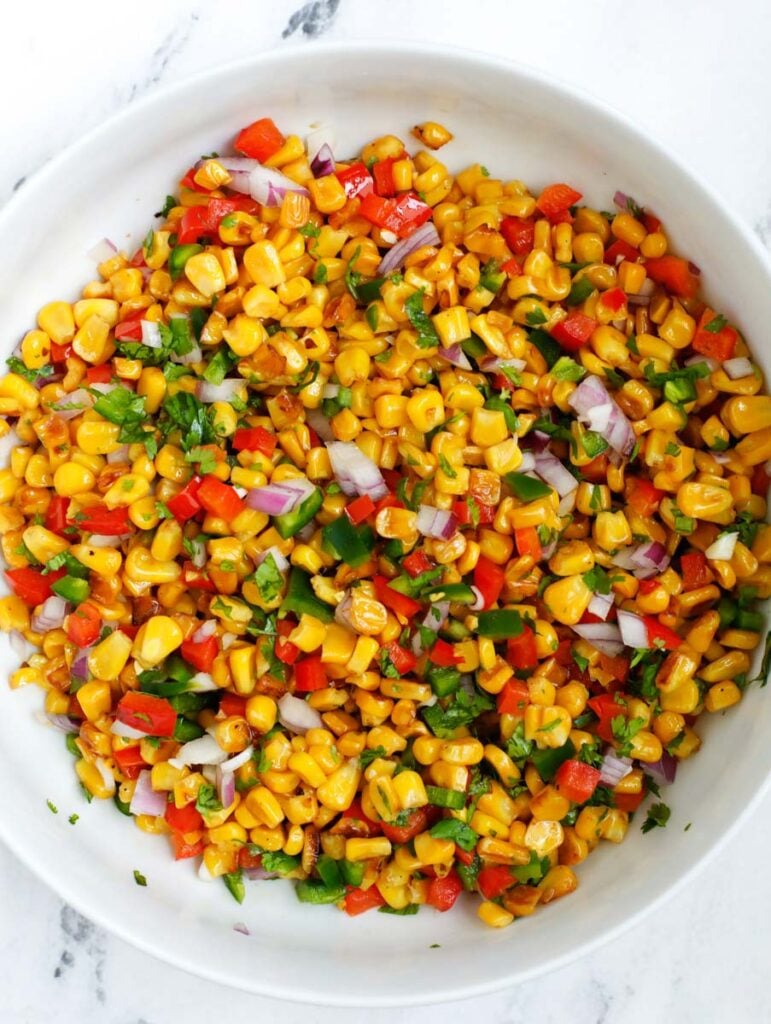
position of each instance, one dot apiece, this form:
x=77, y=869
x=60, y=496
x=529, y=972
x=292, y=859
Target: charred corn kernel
x=308, y=635
x=549, y=805
x=568, y=599
x=727, y=667
x=95, y=699
x=107, y=659
x=722, y=695
x=571, y=558
x=543, y=836
x=507, y=771
x=42, y=543
x=156, y=639
x=682, y=698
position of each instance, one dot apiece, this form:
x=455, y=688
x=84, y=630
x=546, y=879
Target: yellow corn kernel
x=71, y=478
x=261, y=712
x=568, y=599
x=104, y=562
x=493, y=915
x=107, y=659
x=156, y=639
x=722, y=695
x=58, y=322
x=95, y=699
x=366, y=849
x=97, y=785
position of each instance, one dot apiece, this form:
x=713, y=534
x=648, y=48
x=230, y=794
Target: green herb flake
x=139, y=878
x=716, y=324
x=73, y=818
x=52, y=807
x=567, y=369
x=446, y=468
x=268, y=579
x=421, y=321
x=658, y=816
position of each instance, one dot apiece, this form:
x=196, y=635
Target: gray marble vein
x=312, y=19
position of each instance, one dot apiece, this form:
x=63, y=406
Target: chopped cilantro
x=460, y=833
x=446, y=468
x=716, y=324
x=205, y=458
x=73, y=818
x=624, y=730
x=366, y=757
x=15, y=365
x=461, y=710
x=421, y=321
x=567, y=369
x=658, y=816
x=52, y=807
x=207, y=800
x=139, y=878
x=268, y=579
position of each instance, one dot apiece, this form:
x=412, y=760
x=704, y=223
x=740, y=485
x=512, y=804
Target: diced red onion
x=527, y=465
x=722, y=548
x=269, y=186
x=79, y=667
x=237, y=760
x=205, y=630
x=648, y=558
x=330, y=391
x=106, y=389
x=638, y=299
x=203, y=750
x=198, y=557
x=479, y=602
x=280, y=560
x=323, y=162
x=121, y=729
x=237, y=164
x=107, y=776
x=227, y=640
x=276, y=499
x=241, y=928
x=416, y=644
x=224, y=392
x=551, y=547
x=296, y=715
x=355, y=472
x=456, y=356
x=75, y=404
x=343, y=611
x=51, y=615
x=536, y=441
x=318, y=138
x=605, y=636
x=590, y=395
x=662, y=771
x=145, y=800
x=694, y=269
x=566, y=505
x=260, y=874
x=436, y=522
x=195, y=355
x=202, y=682
x=737, y=368
x=496, y=364
x=551, y=470
x=102, y=251
x=437, y=615
x=316, y=419
x=62, y=722
x=226, y=786
x=621, y=199
x=426, y=234
x=614, y=768
x=634, y=632
x=21, y=646
x=600, y=605
x=151, y=333
x=119, y=455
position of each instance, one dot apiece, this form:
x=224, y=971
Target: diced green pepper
x=301, y=600
x=499, y=623
x=501, y=405
x=527, y=488
x=352, y=871
x=71, y=589
x=548, y=761
x=749, y=620
x=443, y=681
x=185, y=730
x=124, y=808
x=369, y=291
x=440, y=797
x=292, y=522
x=329, y=871
x=546, y=345
x=351, y=545
x=727, y=610
x=179, y=256
x=167, y=688
x=178, y=669
x=474, y=347
x=455, y=593
x=312, y=890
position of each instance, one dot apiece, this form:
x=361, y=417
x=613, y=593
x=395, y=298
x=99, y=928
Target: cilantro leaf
x=658, y=816
x=207, y=800
x=624, y=730
x=567, y=369
x=205, y=458
x=463, y=709
x=139, y=878
x=421, y=321
x=191, y=417
x=268, y=579
x=366, y=757
x=458, y=831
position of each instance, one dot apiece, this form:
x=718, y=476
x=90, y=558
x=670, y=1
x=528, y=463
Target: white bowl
x=520, y=125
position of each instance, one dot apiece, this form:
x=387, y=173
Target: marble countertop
x=698, y=78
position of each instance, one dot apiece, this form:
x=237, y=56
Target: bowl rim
x=46, y=175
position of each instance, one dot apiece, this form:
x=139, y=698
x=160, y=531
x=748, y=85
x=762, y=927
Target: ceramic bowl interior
x=110, y=184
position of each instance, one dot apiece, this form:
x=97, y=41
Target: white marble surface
x=697, y=76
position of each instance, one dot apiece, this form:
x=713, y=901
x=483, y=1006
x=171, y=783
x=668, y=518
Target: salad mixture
x=383, y=528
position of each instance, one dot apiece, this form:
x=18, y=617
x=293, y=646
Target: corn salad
x=384, y=528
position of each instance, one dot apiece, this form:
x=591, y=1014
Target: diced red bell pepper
x=130, y=329
x=596, y=471
x=521, y=650
x=285, y=651
x=196, y=578
x=628, y=802
x=182, y=849
x=495, y=880
x=759, y=481
x=719, y=345
x=402, y=216
x=398, y=603
x=489, y=578
x=513, y=698
x=247, y=859
x=198, y=221
x=60, y=353
x=233, y=704
x=519, y=234
x=416, y=563
x=443, y=892
x=642, y=496
x=357, y=900
x=511, y=267
x=606, y=707
x=200, y=654
x=444, y=655
x=651, y=222
x=620, y=250
x=576, y=780
x=84, y=624
x=138, y=259
x=574, y=331
x=402, y=660
x=129, y=629
x=674, y=273
x=219, y=499
x=31, y=585
x=527, y=542
x=183, y=819
x=463, y=856
x=56, y=514
x=107, y=522
x=383, y=173
x=146, y=713
x=477, y=514
x=694, y=570
x=356, y=813
x=259, y=140
x=660, y=635
x=309, y=674
x=614, y=299
x=99, y=374
x=356, y=180
x=254, y=439
x=418, y=820
x=183, y=506
x=556, y=199
x=647, y=586
x=616, y=665
x=130, y=761
x=359, y=509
